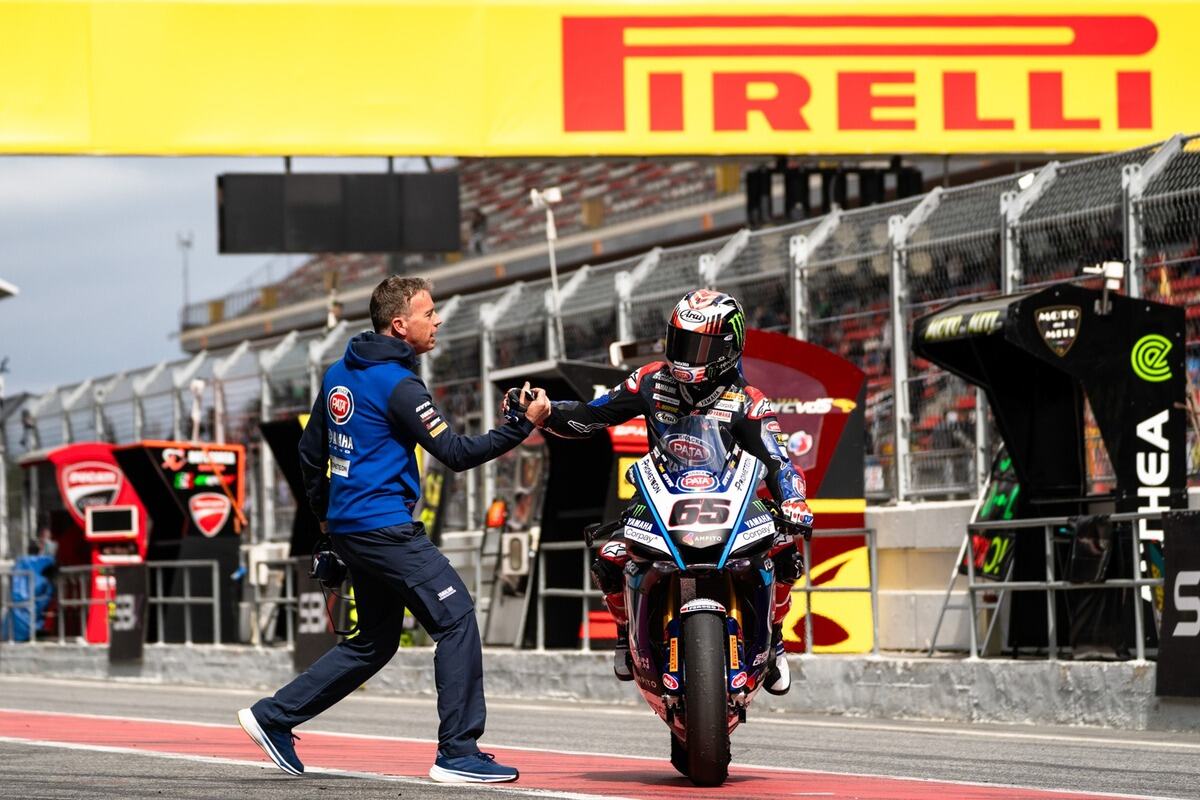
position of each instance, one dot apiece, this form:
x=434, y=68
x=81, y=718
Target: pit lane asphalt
x=1075, y=759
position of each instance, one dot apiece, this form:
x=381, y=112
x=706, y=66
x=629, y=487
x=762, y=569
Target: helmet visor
x=689, y=347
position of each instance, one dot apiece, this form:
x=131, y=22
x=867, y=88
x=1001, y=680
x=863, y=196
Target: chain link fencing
x=957, y=252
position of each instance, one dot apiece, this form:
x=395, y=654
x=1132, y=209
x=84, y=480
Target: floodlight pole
x=184, y=240
x=546, y=199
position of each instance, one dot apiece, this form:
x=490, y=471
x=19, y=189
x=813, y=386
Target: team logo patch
x=1059, y=327
x=669, y=681
x=799, y=444
x=666, y=418
x=210, y=511
x=340, y=405
x=738, y=681
x=91, y=483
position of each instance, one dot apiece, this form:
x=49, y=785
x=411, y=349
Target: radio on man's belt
x=331, y=572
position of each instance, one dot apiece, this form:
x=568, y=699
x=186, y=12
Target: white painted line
x=233, y=762
x=760, y=719
x=522, y=748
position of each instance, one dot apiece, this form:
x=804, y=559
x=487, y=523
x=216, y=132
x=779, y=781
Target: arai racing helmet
x=705, y=336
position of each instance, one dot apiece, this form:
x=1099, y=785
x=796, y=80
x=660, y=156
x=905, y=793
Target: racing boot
x=622, y=662
x=779, y=677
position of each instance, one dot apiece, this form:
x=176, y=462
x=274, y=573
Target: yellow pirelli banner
x=341, y=77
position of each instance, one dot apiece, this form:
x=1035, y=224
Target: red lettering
x=857, y=101
x=960, y=98
x=1133, y=100
x=666, y=101
x=1046, y=104
x=784, y=111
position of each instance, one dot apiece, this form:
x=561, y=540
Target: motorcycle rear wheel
x=706, y=699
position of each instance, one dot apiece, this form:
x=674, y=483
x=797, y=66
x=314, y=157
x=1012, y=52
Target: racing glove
x=798, y=515
x=515, y=403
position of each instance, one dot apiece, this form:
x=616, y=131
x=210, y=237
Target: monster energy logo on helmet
x=738, y=323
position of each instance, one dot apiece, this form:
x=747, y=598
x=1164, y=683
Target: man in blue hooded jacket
x=361, y=478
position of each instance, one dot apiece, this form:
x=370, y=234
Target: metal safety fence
x=852, y=281
x=1051, y=584
x=78, y=591
x=586, y=592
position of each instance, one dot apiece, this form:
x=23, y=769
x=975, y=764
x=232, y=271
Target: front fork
x=745, y=659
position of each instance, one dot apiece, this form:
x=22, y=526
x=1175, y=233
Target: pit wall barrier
x=1100, y=694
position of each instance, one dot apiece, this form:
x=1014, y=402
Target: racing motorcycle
x=699, y=587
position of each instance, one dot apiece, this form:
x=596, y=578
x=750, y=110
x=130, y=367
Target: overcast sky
x=91, y=244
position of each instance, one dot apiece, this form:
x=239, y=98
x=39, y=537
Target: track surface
x=73, y=739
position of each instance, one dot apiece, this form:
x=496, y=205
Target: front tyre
x=706, y=721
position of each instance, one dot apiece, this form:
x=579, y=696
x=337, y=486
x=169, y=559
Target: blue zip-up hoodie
x=357, y=451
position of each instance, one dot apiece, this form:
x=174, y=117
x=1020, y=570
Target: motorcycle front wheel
x=706, y=700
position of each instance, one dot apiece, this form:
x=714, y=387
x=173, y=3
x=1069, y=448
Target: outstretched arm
x=412, y=412
x=570, y=419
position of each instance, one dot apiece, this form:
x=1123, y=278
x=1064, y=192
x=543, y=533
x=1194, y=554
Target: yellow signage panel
x=330, y=77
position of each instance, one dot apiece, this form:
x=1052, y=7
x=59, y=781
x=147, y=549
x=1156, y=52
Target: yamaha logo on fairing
x=340, y=405
x=688, y=449
x=697, y=481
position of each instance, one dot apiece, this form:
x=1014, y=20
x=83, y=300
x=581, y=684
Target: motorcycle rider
x=701, y=375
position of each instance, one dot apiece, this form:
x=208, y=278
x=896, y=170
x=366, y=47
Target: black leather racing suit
x=651, y=392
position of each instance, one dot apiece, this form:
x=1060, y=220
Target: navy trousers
x=394, y=568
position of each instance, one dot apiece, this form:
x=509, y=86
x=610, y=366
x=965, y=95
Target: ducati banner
x=494, y=78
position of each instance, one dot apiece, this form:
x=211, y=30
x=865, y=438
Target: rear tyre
x=706, y=699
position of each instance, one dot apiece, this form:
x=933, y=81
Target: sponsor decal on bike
x=669, y=681
x=645, y=525
x=696, y=481
x=761, y=519
x=701, y=604
x=738, y=681
x=673, y=658
x=761, y=658
x=340, y=405
x=688, y=449
x=693, y=539
x=649, y=539
x=756, y=533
